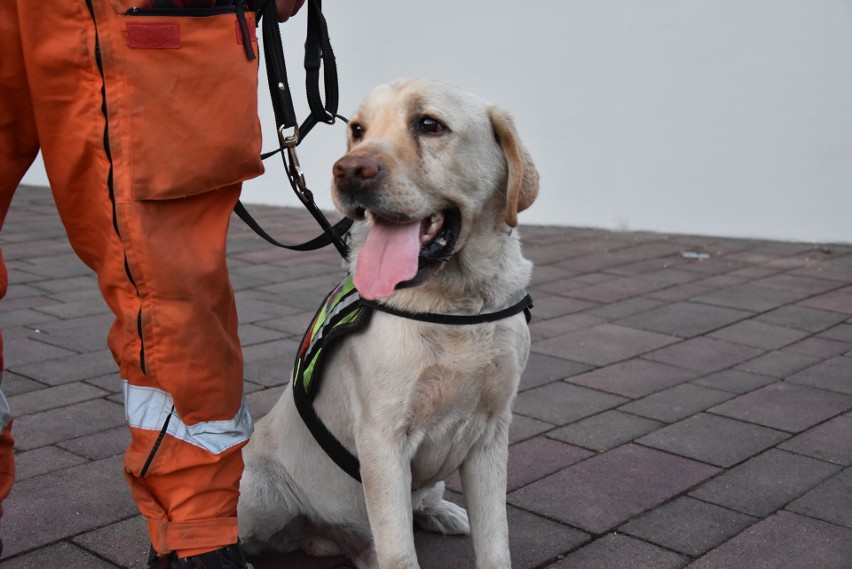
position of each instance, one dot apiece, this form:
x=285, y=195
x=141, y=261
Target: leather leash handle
x=319, y=55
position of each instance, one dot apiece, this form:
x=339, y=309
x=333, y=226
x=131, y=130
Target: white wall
x=718, y=117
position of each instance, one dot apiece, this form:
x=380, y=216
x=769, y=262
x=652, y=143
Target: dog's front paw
x=443, y=517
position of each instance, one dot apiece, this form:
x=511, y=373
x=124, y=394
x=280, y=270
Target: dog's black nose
x=356, y=172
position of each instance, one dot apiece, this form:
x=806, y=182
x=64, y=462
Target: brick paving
x=676, y=412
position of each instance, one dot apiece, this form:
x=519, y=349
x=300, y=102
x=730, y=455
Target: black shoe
x=229, y=557
x=157, y=562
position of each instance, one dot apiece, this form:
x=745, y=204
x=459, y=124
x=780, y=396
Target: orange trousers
x=147, y=124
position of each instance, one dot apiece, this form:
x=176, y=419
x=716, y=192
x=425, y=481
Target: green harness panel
x=341, y=313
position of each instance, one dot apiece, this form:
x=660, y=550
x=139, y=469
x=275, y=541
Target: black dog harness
x=344, y=312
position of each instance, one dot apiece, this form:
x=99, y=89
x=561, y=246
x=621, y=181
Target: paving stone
x=532, y=541
x=688, y=526
x=53, y=397
x=617, y=289
x=704, y=354
x=545, y=274
x=831, y=501
x=77, y=340
x=797, y=283
x=765, y=483
x=819, y=348
x=670, y=275
x=676, y=403
x=591, y=263
x=713, y=439
x=97, y=446
x=550, y=306
x=783, y=540
x=606, y=490
x=293, y=325
x=839, y=270
x=563, y=325
x=786, y=406
x=303, y=295
x=42, y=461
x=50, y=507
x=111, y=383
x=532, y=460
x=252, y=310
x=88, y=282
x=840, y=333
x=23, y=317
x=77, y=309
x=560, y=403
x=837, y=301
x=834, y=374
x=49, y=427
x=124, y=543
x=759, y=334
x=802, y=318
x=25, y=351
x=67, y=369
x=523, y=428
x=14, y=384
x=270, y=364
x=95, y=325
x=536, y=458
x=750, y=297
x=261, y=402
x=830, y=441
x=778, y=364
x=633, y=378
x=57, y=266
x=694, y=289
x=562, y=286
x=735, y=381
x=621, y=552
x=625, y=308
x=715, y=265
x=72, y=557
x=602, y=345
x=605, y=431
x=251, y=334
x=542, y=370
x=685, y=319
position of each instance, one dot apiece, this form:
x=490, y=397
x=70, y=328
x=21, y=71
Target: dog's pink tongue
x=389, y=257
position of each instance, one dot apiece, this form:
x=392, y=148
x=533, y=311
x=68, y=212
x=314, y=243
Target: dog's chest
x=459, y=398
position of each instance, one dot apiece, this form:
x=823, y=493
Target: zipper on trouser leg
x=111, y=189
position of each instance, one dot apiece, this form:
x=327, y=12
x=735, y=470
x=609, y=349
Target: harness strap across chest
x=344, y=312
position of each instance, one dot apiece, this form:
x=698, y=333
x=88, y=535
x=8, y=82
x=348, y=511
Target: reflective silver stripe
x=342, y=305
x=5, y=413
x=147, y=408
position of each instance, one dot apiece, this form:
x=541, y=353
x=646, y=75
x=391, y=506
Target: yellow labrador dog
x=436, y=178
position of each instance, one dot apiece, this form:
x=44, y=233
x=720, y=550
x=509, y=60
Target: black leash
x=318, y=55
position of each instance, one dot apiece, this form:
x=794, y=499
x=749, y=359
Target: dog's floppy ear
x=522, y=188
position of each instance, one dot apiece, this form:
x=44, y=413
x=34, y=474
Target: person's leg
x=18, y=149
x=160, y=263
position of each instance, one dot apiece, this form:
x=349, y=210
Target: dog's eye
x=357, y=131
x=431, y=126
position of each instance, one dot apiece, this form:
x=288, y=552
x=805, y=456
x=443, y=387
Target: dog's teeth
x=432, y=227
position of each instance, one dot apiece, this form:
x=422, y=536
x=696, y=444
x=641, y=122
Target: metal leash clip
x=294, y=168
